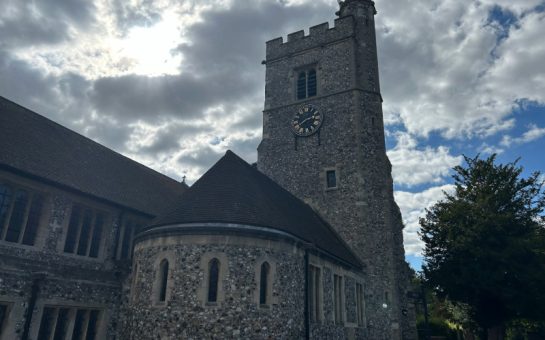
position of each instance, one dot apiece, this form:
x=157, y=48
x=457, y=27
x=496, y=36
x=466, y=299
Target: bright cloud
x=534, y=132
x=413, y=165
x=458, y=75
x=413, y=206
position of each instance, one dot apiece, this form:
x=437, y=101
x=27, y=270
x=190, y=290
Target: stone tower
x=323, y=140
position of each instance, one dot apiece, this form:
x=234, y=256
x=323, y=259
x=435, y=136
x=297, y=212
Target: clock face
x=306, y=121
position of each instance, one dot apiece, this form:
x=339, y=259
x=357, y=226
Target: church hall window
x=62, y=323
x=4, y=309
x=360, y=305
x=124, y=239
x=264, y=277
x=84, y=233
x=20, y=212
x=338, y=299
x=213, y=280
x=306, y=84
x=315, y=293
x=163, y=281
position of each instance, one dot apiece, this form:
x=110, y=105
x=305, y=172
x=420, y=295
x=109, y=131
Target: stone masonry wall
x=60, y=279
x=237, y=315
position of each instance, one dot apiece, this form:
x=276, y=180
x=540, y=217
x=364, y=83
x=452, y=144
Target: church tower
x=323, y=140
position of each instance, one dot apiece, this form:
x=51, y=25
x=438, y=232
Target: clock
x=306, y=121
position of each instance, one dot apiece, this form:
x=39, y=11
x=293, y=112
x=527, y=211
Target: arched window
x=163, y=280
x=213, y=280
x=307, y=84
x=264, y=283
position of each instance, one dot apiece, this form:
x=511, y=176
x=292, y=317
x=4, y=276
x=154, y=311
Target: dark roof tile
x=40, y=147
x=233, y=191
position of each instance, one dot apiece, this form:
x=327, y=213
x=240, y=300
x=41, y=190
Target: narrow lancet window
x=213, y=280
x=264, y=283
x=163, y=280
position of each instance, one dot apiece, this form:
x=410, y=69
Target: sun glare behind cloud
x=149, y=50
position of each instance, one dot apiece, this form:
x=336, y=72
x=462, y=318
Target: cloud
x=414, y=166
x=463, y=73
x=534, y=132
x=25, y=23
x=413, y=206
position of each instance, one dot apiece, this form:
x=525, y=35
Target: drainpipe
x=35, y=289
x=307, y=314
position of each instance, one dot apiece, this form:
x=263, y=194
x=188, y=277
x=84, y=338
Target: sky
x=173, y=84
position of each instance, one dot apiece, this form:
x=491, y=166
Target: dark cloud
x=204, y=159
x=234, y=39
x=168, y=139
x=25, y=23
x=22, y=83
x=151, y=99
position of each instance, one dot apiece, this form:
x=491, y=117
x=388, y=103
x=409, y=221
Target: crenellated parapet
x=319, y=35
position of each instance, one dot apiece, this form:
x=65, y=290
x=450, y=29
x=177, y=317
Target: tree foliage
x=485, y=243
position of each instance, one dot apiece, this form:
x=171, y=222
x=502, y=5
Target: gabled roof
x=234, y=192
x=39, y=147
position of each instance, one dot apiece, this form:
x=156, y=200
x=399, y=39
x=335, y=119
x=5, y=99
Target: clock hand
x=304, y=120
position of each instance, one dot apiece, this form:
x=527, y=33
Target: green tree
x=485, y=244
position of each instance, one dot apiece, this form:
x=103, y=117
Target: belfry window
x=213, y=280
x=264, y=276
x=20, y=212
x=306, y=84
x=163, y=281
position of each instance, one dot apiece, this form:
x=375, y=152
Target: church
x=305, y=244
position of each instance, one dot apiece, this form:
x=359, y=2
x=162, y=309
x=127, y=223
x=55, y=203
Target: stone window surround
x=135, y=275
x=272, y=300
x=106, y=238
x=342, y=301
x=323, y=177
x=4, y=324
x=360, y=304
x=103, y=319
x=320, y=317
x=156, y=287
x=126, y=220
x=294, y=75
x=95, y=214
x=20, y=183
x=202, y=294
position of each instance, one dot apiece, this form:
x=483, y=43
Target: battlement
x=318, y=35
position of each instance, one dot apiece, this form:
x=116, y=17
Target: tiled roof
x=37, y=146
x=234, y=192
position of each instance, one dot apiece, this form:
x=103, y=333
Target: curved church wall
x=237, y=313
